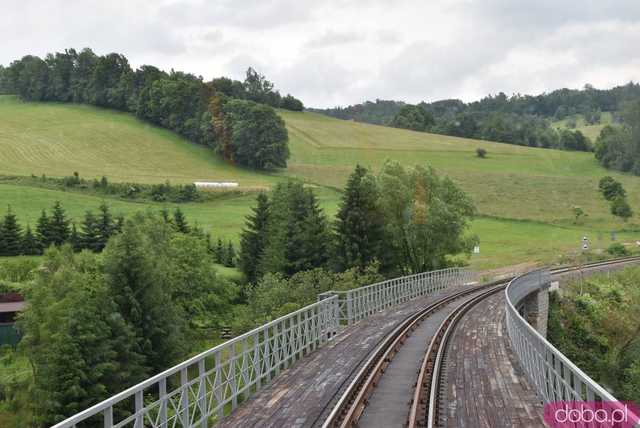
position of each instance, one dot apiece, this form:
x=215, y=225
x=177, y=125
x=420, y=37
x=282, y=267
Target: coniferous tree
x=105, y=226
x=359, y=223
x=180, y=222
x=58, y=225
x=30, y=244
x=253, y=239
x=220, y=254
x=230, y=257
x=134, y=267
x=75, y=339
x=297, y=231
x=90, y=233
x=43, y=233
x=74, y=238
x=11, y=235
x=119, y=223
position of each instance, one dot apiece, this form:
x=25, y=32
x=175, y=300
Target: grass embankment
x=524, y=195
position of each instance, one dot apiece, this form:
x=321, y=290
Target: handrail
x=359, y=303
x=217, y=380
x=553, y=375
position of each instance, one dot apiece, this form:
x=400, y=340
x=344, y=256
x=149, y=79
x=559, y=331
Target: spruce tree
x=58, y=225
x=230, y=257
x=43, y=234
x=359, y=223
x=11, y=235
x=75, y=239
x=220, y=253
x=253, y=239
x=134, y=266
x=30, y=244
x=119, y=223
x=90, y=233
x=75, y=339
x=297, y=231
x=105, y=226
x=180, y=222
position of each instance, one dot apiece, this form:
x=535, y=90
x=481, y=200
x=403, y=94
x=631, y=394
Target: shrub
x=610, y=188
x=620, y=208
x=617, y=249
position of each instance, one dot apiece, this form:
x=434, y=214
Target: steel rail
x=423, y=414
x=349, y=407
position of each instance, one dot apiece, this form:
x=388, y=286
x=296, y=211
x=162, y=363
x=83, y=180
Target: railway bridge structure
x=441, y=348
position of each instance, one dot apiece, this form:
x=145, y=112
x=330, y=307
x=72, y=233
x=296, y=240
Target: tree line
x=92, y=233
x=96, y=325
x=403, y=220
x=618, y=147
x=504, y=127
x=517, y=119
x=176, y=100
x=556, y=105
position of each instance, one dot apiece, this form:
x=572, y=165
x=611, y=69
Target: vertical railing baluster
x=107, y=417
x=184, y=397
x=139, y=412
x=162, y=393
x=202, y=393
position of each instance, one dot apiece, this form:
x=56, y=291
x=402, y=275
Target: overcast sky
x=341, y=52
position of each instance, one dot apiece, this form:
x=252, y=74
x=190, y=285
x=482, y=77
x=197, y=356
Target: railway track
x=424, y=406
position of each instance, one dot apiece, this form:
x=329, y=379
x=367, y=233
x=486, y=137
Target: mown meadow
x=524, y=196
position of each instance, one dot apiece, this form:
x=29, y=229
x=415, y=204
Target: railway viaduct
x=441, y=348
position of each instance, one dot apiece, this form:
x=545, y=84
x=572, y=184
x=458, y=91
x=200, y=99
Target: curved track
x=422, y=409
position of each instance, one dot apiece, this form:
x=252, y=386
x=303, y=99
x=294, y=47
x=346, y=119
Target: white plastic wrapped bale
x=215, y=184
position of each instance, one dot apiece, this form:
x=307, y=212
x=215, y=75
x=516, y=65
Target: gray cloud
x=342, y=52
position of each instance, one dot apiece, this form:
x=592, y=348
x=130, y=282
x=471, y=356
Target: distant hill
x=524, y=120
x=557, y=105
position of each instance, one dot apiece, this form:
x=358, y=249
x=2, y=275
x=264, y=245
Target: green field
x=58, y=139
x=524, y=195
x=591, y=131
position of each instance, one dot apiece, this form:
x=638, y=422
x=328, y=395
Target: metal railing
x=202, y=390
x=359, y=303
x=553, y=375
x=198, y=391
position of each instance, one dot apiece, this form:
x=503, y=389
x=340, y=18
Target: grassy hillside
x=591, y=131
x=512, y=182
x=57, y=139
x=524, y=195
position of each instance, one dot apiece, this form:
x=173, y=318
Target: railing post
x=202, y=393
x=162, y=393
x=349, y=307
x=139, y=403
x=107, y=417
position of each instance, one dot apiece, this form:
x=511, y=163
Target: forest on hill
x=236, y=119
x=517, y=119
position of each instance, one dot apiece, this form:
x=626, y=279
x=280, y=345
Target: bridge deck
x=302, y=396
x=485, y=386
